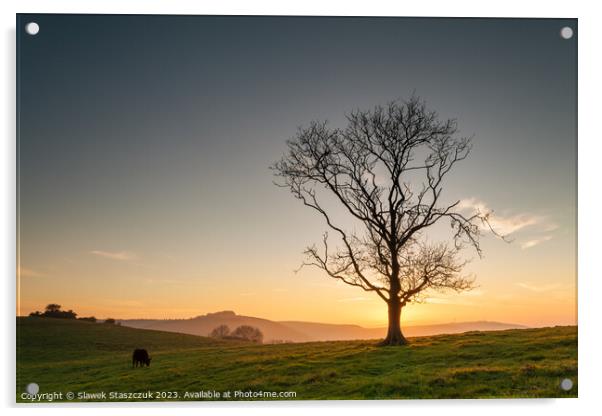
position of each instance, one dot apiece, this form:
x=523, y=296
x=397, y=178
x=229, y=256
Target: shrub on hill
x=248, y=333
x=220, y=331
x=87, y=319
x=53, y=310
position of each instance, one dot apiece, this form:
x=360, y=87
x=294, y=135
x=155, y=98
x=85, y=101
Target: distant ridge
x=299, y=331
x=204, y=324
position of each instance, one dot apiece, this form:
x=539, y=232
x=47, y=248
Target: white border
x=590, y=150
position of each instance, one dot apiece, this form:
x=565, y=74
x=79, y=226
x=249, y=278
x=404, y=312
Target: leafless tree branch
x=386, y=169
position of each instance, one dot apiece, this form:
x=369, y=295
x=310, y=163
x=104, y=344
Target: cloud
x=507, y=224
x=538, y=288
x=473, y=204
x=532, y=243
x=512, y=224
x=457, y=300
x=117, y=255
x=25, y=272
x=550, y=227
x=247, y=294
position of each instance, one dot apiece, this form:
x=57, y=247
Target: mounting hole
x=32, y=388
x=566, y=384
x=566, y=32
x=32, y=28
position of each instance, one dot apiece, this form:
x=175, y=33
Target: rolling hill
x=298, y=331
x=88, y=359
x=203, y=325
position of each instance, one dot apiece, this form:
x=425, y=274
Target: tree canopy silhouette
x=248, y=333
x=53, y=310
x=220, y=331
x=386, y=169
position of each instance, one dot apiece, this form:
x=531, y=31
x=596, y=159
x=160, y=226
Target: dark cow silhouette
x=140, y=358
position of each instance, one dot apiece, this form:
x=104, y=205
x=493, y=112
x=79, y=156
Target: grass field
x=71, y=356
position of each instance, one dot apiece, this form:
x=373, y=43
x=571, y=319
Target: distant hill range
x=297, y=331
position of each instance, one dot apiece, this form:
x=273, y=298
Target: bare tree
x=248, y=333
x=220, y=331
x=386, y=170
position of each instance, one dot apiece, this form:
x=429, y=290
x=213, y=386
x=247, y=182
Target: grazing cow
x=140, y=357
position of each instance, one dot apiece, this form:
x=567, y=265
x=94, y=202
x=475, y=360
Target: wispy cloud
x=355, y=299
x=458, y=300
x=507, y=224
x=115, y=255
x=25, y=272
x=512, y=224
x=535, y=241
x=538, y=288
x=550, y=227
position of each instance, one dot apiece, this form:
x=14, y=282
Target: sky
x=145, y=142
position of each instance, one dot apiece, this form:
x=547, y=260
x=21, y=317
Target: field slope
x=71, y=356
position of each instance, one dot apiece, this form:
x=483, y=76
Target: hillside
x=334, y=332
x=298, y=331
x=203, y=325
x=74, y=356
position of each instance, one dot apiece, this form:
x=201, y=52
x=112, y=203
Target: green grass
x=71, y=356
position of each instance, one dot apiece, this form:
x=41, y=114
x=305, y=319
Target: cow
x=140, y=357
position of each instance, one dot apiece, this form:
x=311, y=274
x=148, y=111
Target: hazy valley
x=299, y=331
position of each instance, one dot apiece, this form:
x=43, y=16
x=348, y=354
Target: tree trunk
x=394, y=335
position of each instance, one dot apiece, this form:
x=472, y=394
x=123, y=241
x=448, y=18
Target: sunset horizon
x=166, y=210
x=375, y=325
x=295, y=208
